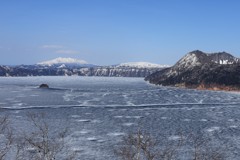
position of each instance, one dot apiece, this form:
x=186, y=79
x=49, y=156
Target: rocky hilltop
x=215, y=71
x=73, y=67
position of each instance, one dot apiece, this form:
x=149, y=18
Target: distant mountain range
x=66, y=61
x=216, y=71
x=69, y=67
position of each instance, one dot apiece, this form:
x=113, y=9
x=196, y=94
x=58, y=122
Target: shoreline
x=211, y=87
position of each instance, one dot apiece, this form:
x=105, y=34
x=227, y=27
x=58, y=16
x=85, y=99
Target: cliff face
x=217, y=71
x=109, y=71
x=4, y=70
x=117, y=72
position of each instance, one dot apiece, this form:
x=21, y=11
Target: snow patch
x=62, y=66
x=83, y=120
x=78, y=133
x=116, y=134
x=189, y=60
x=75, y=116
x=128, y=124
x=174, y=137
x=203, y=120
x=233, y=126
x=118, y=116
x=212, y=129
x=92, y=139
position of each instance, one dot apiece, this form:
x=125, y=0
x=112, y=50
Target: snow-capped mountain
x=141, y=65
x=69, y=66
x=61, y=60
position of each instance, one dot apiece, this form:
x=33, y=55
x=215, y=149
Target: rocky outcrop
x=44, y=86
x=217, y=71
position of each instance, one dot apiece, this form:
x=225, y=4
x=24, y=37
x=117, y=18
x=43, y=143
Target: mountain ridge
x=68, y=67
x=66, y=61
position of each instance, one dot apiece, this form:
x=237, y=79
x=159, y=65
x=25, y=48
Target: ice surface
x=99, y=111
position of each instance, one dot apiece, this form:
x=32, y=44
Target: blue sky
x=114, y=31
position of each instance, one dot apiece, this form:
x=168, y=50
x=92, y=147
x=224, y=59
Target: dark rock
x=43, y=86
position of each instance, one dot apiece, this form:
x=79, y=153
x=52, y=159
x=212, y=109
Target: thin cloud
x=52, y=46
x=60, y=49
x=66, y=51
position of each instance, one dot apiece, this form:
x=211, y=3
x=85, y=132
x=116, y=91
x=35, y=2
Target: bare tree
x=6, y=135
x=142, y=146
x=41, y=144
x=204, y=150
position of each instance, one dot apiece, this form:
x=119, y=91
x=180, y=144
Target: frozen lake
x=99, y=110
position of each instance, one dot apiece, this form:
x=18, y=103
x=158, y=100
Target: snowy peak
x=189, y=60
x=61, y=60
x=141, y=65
x=197, y=58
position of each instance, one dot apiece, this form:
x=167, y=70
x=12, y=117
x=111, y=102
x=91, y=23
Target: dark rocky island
x=199, y=70
x=44, y=86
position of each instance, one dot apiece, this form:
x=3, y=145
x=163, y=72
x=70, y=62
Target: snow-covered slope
x=142, y=65
x=198, y=58
x=61, y=60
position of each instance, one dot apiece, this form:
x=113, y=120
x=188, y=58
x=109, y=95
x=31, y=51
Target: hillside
x=216, y=71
